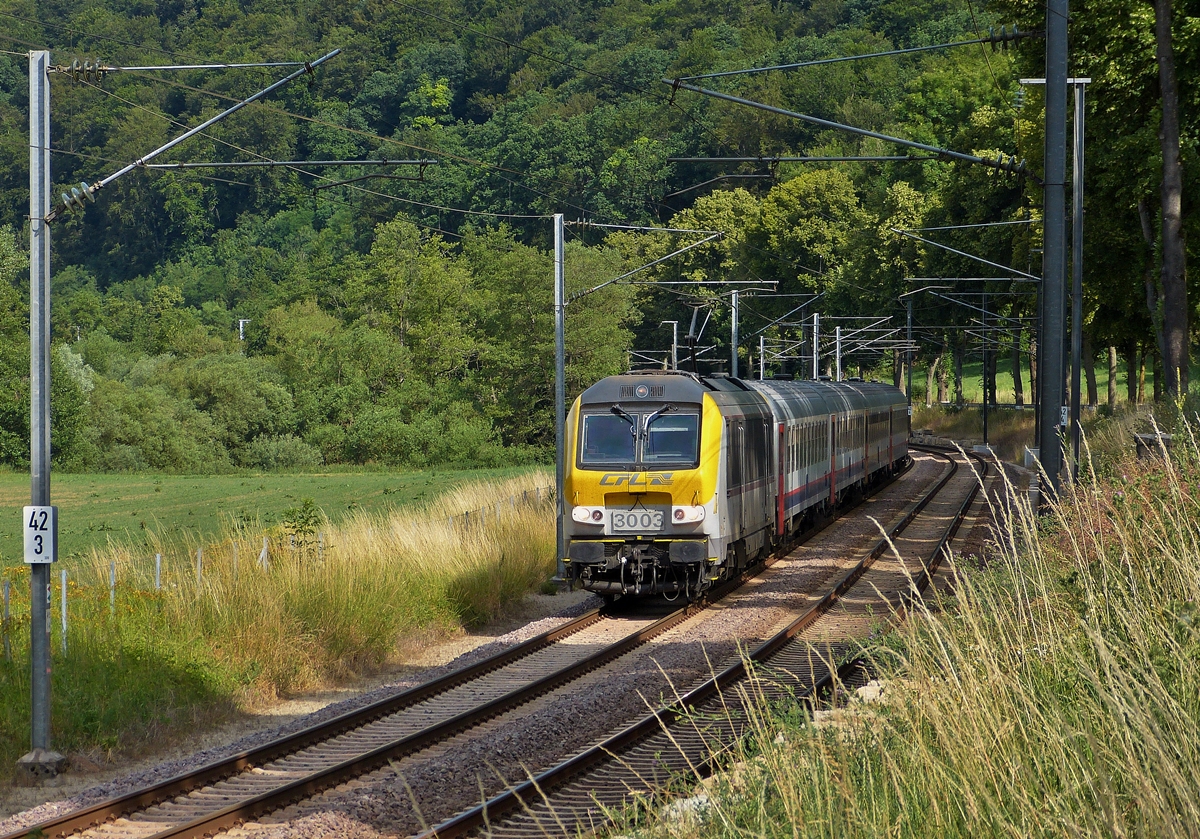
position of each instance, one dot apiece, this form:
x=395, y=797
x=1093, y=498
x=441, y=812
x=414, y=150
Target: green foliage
x=163, y=662
x=283, y=451
x=384, y=316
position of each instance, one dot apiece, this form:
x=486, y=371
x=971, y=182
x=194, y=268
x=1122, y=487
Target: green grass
x=181, y=510
x=157, y=662
x=973, y=382
x=1056, y=695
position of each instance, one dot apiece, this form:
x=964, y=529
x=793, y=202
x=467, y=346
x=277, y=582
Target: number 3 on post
x=41, y=534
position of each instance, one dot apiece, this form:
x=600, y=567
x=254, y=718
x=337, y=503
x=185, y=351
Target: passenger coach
x=674, y=481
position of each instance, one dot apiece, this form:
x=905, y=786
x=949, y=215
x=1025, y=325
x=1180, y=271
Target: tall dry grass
x=337, y=599
x=145, y=665
x=1058, y=694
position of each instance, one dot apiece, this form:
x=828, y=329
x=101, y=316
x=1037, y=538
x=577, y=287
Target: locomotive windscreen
x=648, y=439
x=608, y=438
x=672, y=438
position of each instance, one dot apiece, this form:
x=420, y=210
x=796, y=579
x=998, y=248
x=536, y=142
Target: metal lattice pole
x=1079, y=86
x=1050, y=345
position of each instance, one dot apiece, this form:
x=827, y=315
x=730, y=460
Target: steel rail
x=539, y=787
x=224, y=768
x=315, y=783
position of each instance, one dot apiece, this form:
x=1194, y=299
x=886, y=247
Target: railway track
x=682, y=739
x=243, y=787
x=228, y=791
x=233, y=790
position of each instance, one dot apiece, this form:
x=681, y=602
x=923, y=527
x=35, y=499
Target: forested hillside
x=402, y=314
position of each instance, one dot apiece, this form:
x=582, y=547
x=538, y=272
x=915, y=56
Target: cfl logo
x=637, y=479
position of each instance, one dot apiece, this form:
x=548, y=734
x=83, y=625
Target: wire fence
x=493, y=512
x=180, y=572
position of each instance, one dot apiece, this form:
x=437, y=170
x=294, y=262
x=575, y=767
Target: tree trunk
x=943, y=388
x=1156, y=370
x=1131, y=386
x=1174, y=260
x=1112, y=379
x=898, y=378
x=1154, y=302
x=1089, y=369
x=1033, y=366
x=930, y=375
x=958, y=376
x=989, y=376
x=1141, y=376
x=1018, y=384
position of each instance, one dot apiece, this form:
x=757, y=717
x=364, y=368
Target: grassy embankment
x=1058, y=694
x=177, y=512
x=161, y=662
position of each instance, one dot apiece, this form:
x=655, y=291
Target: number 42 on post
x=41, y=534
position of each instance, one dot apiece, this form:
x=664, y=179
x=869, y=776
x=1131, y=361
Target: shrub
x=283, y=451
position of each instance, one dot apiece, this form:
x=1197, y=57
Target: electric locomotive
x=675, y=481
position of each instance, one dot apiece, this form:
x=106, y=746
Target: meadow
x=1056, y=693
x=1005, y=390
x=333, y=599
x=179, y=511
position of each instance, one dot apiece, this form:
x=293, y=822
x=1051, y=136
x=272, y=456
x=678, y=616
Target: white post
x=158, y=572
x=62, y=602
x=560, y=392
x=41, y=760
x=816, y=345
x=733, y=361
x=263, y=558
x=837, y=332
x=674, y=342
x=112, y=588
x=7, y=645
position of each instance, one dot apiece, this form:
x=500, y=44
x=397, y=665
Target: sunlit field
x=330, y=599
x=1056, y=694
x=141, y=508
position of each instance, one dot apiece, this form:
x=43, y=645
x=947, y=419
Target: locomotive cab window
x=607, y=438
x=623, y=438
x=672, y=438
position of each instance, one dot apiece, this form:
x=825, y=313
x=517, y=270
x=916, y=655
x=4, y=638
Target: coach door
x=737, y=477
x=756, y=469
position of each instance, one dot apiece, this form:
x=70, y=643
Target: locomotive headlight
x=588, y=515
x=687, y=515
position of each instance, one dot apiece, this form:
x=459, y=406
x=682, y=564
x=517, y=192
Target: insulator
x=87, y=190
x=1020, y=103
x=75, y=68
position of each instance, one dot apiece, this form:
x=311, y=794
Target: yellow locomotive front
x=642, y=513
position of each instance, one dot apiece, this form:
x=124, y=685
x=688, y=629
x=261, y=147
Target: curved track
x=680, y=740
x=245, y=786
